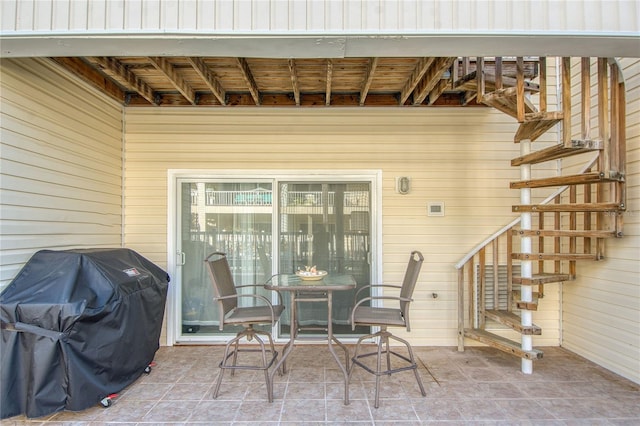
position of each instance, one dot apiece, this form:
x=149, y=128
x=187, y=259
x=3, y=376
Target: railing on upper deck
x=290, y=198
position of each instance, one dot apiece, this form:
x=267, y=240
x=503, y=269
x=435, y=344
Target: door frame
x=374, y=177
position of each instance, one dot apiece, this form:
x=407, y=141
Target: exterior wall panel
x=459, y=156
x=61, y=165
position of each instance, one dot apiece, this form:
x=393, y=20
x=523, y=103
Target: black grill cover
x=77, y=326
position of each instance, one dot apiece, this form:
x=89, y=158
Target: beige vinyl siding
x=320, y=15
x=457, y=155
x=601, y=309
x=61, y=165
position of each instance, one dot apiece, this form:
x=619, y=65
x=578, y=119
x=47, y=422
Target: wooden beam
x=571, y=207
x=135, y=83
x=461, y=309
x=480, y=77
x=585, y=95
x=604, y=164
x=209, y=78
x=248, y=78
x=468, y=97
x=416, y=75
x=431, y=78
x=294, y=80
x=329, y=78
x=163, y=65
x=90, y=75
x=520, y=109
x=566, y=101
x=368, y=78
x=543, y=83
x=502, y=344
x=593, y=177
x=603, y=113
x=437, y=91
x=498, y=73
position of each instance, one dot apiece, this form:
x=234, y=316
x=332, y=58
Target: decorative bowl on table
x=311, y=275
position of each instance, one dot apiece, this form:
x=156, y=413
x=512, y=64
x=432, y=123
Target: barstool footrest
x=411, y=366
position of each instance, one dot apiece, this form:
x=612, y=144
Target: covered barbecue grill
x=77, y=326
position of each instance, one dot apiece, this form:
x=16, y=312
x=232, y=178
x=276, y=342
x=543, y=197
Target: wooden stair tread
x=577, y=207
x=558, y=151
x=521, y=304
x=502, y=343
x=554, y=256
x=469, y=83
x=542, y=278
x=563, y=233
x=593, y=177
x=513, y=321
x=505, y=100
x=536, y=125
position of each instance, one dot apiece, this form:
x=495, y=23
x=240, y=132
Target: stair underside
x=556, y=152
x=543, y=278
x=469, y=83
x=502, y=344
x=593, y=177
x=536, y=125
x=513, y=321
x=505, y=100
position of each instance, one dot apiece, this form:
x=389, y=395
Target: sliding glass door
x=265, y=226
x=229, y=217
x=325, y=225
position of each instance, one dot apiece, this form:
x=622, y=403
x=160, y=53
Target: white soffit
x=320, y=45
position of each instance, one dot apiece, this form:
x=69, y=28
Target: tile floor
x=478, y=386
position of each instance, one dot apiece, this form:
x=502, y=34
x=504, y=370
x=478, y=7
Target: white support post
x=526, y=265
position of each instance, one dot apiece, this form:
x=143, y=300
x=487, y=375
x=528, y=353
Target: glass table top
x=293, y=282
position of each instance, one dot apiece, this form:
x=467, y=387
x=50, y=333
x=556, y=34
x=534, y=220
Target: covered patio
x=478, y=386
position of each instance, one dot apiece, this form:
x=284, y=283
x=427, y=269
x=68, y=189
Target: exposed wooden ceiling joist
x=431, y=78
x=163, y=65
x=417, y=74
x=248, y=78
x=437, y=91
x=209, y=78
x=134, y=83
x=89, y=74
x=368, y=78
x=293, y=82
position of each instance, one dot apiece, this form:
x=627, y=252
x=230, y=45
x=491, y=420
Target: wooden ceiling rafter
x=294, y=80
x=209, y=78
x=249, y=80
x=368, y=79
x=163, y=65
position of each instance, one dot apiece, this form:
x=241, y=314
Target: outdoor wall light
x=403, y=185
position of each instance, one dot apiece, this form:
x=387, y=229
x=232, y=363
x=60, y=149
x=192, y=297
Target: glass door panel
x=325, y=225
x=230, y=217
